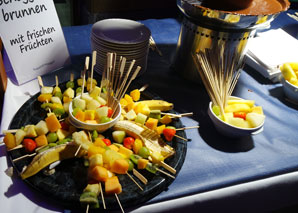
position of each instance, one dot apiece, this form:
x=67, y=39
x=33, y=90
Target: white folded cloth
x=269, y=50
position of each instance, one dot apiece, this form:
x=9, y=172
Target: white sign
x=32, y=37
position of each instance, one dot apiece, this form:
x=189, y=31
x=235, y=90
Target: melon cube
x=151, y=123
x=130, y=106
x=30, y=131
x=41, y=128
x=96, y=160
x=86, y=97
x=109, y=156
x=92, y=150
x=112, y=186
x=135, y=94
x=101, y=100
x=80, y=116
x=126, y=152
x=89, y=114
x=166, y=119
x=52, y=123
x=238, y=122
x=20, y=134
x=131, y=115
x=55, y=99
x=93, y=105
x=102, y=111
x=41, y=140
x=66, y=107
x=114, y=147
x=61, y=134
x=255, y=119
x=45, y=90
x=257, y=109
x=118, y=136
x=79, y=103
x=141, y=118
x=120, y=166
x=99, y=173
x=142, y=108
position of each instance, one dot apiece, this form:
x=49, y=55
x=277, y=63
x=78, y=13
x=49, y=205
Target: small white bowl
x=98, y=127
x=229, y=130
x=290, y=90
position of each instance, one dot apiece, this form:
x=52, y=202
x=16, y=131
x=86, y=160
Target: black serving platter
x=70, y=178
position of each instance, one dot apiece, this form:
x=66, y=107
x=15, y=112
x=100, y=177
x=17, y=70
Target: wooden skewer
x=190, y=127
x=119, y=202
x=186, y=114
x=40, y=81
x=161, y=171
x=182, y=138
x=102, y=197
x=24, y=156
x=171, y=114
x=16, y=147
x=56, y=79
x=71, y=77
x=167, y=167
x=9, y=131
x=78, y=150
x=92, y=67
x=134, y=180
x=87, y=208
x=140, y=176
x=142, y=89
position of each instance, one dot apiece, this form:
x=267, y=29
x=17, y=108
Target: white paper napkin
x=270, y=49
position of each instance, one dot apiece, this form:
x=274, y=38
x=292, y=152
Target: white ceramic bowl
x=290, y=90
x=229, y=130
x=98, y=127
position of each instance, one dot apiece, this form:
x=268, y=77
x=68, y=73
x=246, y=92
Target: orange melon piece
x=9, y=140
x=41, y=140
x=112, y=186
x=80, y=116
x=52, y=123
x=99, y=173
x=93, y=149
x=120, y=166
x=151, y=123
x=142, y=163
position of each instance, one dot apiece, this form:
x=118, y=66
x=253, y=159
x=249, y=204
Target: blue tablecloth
x=213, y=161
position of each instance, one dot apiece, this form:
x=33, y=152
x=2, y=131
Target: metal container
x=203, y=28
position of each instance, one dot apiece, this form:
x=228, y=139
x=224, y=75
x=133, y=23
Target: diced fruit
x=92, y=150
x=240, y=107
x=107, y=141
x=125, y=151
x=141, y=118
x=30, y=131
x=144, y=152
x=128, y=142
x=120, y=166
x=216, y=110
x=131, y=115
x=95, y=91
x=80, y=115
x=138, y=144
x=99, y=142
x=69, y=92
x=250, y=103
x=155, y=114
x=109, y=156
x=169, y=133
x=9, y=140
x=41, y=140
x=142, y=163
x=79, y=103
x=123, y=102
x=80, y=82
x=238, y=122
x=128, y=98
x=41, y=128
x=240, y=115
x=110, y=112
x=55, y=99
x=287, y=72
x=86, y=97
x=20, y=135
x=61, y=134
x=255, y=119
x=96, y=160
x=102, y=111
x=53, y=123
x=70, y=84
x=160, y=129
x=45, y=90
x=93, y=105
x=112, y=186
x=151, y=123
x=81, y=139
x=118, y=136
x=89, y=114
x=142, y=108
x=44, y=97
x=56, y=89
x=75, y=111
x=130, y=106
x=101, y=100
x=66, y=99
x=29, y=144
x=257, y=109
x=114, y=147
x=52, y=137
x=135, y=94
x=104, y=119
x=99, y=173
x=156, y=157
x=166, y=119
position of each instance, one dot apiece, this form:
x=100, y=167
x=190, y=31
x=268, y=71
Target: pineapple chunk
x=89, y=114
x=166, y=119
x=240, y=107
x=126, y=152
x=95, y=92
x=66, y=107
x=250, y=103
x=128, y=98
x=151, y=123
x=30, y=131
x=81, y=139
x=69, y=92
x=93, y=105
x=20, y=134
x=257, y=109
x=61, y=133
x=135, y=94
x=45, y=90
x=255, y=119
x=41, y=128
x=101, y=100
x=55, y=99
x=102, y=111
x=141, y=118
x=95, y=160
